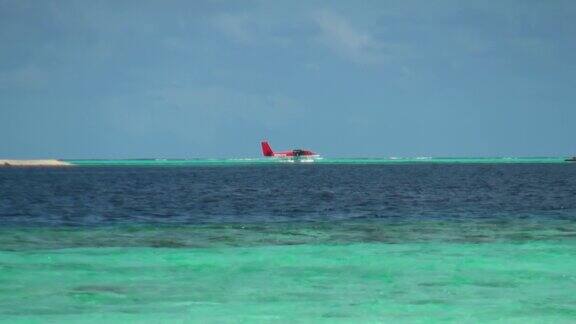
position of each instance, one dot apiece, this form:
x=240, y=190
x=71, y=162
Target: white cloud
x=338, y=34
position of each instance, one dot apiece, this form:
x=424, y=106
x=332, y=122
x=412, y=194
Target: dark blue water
x=86, y=196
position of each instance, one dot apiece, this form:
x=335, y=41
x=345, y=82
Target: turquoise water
x=420, y=280
x=331, y=273
x=358, y=161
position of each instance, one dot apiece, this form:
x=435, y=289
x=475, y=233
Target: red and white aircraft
x=294, y=154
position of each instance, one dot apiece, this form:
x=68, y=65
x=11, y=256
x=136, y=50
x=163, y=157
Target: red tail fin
x=266, y=149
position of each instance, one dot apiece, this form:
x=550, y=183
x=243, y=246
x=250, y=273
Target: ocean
x=253, y=240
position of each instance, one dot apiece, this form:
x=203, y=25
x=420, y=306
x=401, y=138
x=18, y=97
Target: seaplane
x=295, y=155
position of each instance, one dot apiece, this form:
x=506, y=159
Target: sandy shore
x=33, y=163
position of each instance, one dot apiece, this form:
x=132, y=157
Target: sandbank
x=33, y=163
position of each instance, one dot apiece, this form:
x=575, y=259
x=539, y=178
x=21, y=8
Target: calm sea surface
x=219, y=242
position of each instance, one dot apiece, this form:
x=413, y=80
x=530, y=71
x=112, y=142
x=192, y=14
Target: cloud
x=338, y=34
x=29, y=76
x=235, y=26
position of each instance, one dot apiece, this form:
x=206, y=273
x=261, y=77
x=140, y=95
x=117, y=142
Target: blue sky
x=120, y=79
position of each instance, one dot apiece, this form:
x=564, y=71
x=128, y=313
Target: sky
x=193, y=79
